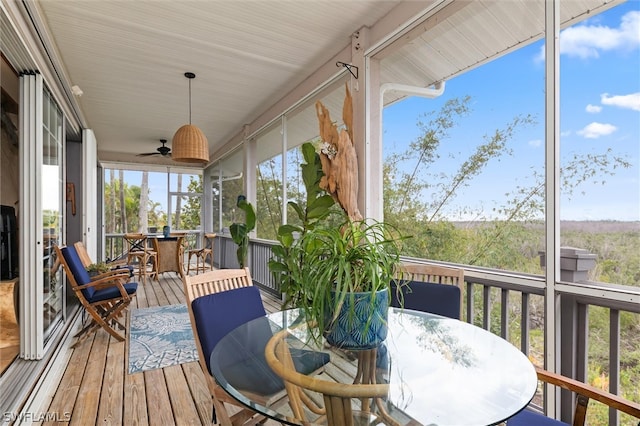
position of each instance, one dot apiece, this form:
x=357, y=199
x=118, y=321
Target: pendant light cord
x=189, y=101
x=190, y=76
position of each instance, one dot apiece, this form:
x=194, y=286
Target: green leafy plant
x=240, y=231
x=319, y=267
x=98, y=268
x=360, y=256
x=285, y=265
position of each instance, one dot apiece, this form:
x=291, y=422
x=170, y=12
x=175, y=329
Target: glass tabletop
x=440, y=371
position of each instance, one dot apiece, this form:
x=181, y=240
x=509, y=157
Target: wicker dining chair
x=201, y=254
x=338, y=398
x=139, y=250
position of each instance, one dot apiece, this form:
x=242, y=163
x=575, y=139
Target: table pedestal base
x=367, y=374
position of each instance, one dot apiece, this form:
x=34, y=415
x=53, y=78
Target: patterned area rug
x=159, y=337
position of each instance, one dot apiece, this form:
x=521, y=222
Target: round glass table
x=440, y=371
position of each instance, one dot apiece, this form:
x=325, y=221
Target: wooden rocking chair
x=104, y=298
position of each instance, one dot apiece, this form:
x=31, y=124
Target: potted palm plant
x=240, y=231
x=338, y=276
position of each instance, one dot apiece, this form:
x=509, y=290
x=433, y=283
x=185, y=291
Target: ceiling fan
x=161, y=150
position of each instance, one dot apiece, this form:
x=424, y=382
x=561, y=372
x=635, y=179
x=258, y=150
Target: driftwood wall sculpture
x=339, y=159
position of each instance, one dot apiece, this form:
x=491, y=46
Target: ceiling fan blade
x=162, y=150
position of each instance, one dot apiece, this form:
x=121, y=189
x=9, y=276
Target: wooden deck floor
x=96, y=388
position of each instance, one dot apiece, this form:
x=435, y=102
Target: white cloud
x=593, y=109
x=587, y=41
x=595, y=130
x=565, y=133
x=631, y=101
x=535, y=143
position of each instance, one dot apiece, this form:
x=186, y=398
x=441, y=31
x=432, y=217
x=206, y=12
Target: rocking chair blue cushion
x=439, y=299
x=218, y=314
x=82, y=277
x=112, y=292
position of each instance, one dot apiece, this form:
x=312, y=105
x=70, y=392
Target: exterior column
x=575, y=264
x=366, y=127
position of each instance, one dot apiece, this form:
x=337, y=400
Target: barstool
x=139, y=250
x=201, y=254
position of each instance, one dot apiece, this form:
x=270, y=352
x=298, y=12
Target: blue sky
x=600, y=110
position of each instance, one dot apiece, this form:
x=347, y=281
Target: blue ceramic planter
x=351, y=331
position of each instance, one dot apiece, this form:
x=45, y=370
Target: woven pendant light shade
x=190, y=145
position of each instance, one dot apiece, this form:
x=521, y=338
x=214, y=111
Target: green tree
x=415, y=198
x=231, y=189
x=269, y=200
x=191, y=211
x=155, y=218
x=122, y=209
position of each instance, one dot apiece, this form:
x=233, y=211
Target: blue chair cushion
x=245, y=368
x=78, y=271
x=111, y=292
x=531, y=418
x=440, y=299
x=82, y=277
x=217, y=314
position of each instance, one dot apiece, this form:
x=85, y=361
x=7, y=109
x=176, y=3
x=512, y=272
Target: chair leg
x=154, y=268
x=201, y=267
x=142, y=267
x=204, y=261
x=105, y=325
x=220, y=415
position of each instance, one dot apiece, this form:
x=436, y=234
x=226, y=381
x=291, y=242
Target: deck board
x=110, y=407
x=184, y=408
x=96, y=388
x=66, y=395
x=158, y=401
x=135, y=408
x=85, y=410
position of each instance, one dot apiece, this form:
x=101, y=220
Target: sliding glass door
x=52, y=181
